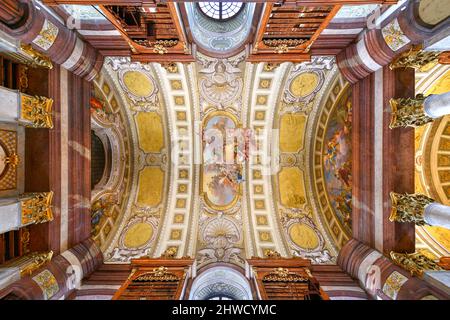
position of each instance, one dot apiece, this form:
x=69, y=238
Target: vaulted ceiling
x=290, y=198
x=289, y=189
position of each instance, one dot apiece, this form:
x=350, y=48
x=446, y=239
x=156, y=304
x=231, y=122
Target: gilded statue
x=416, y=263
x=408, y=112
x=409, y=208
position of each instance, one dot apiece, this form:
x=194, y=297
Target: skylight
x=220, y=10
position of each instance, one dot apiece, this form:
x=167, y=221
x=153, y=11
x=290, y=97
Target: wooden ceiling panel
x=153, y=32
x=289, y=31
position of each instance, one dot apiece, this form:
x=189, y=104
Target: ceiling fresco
x=222, y=159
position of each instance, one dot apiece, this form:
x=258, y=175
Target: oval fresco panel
x=138, y=235
x=304, y=236
x=138, y=83
x=304, y=84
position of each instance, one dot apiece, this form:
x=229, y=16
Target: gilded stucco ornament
x=221, y=241
x=409, y=208
x=136, y=239
x=283, y=275
x=171, y=67
x=272, y=254
x=138, y=83
x=304, y=82
x=170, y=253
x=158, y=274
x=220, y=80
x=303, y=235
x=283, y=45
x=416, y=263
x=408, y=112
x=271, y=66
x=13, y=160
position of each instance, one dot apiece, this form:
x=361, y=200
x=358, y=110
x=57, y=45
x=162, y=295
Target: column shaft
x=377, y=275
x=437, y=214
x=380, y=45
x=52, y=38
x=436, y=106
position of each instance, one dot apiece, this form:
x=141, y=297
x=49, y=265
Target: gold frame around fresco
x=333, y=107
x=203, y=194
x=343, y=234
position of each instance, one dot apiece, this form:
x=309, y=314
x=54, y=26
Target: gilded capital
x=408, y=112
x=416, y=58
x=416, y=263
x=38, y=208
x=37, y=58
x=409, y=207
x=37, y=111
x=29, y=263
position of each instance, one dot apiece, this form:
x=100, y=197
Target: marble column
x=392, y=34
x=440, y=279
x=29, y=111
x=67, y=271
x=39, y=30
x=437, y=105
x=381, y=278
x=438, y=215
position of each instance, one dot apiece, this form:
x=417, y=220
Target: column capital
x=416, y=263
x=416, y=58
x=36, y=111
x=37, y=59
x=408, y=112
x=409, y=207
x=31, y=262
x=37, y=208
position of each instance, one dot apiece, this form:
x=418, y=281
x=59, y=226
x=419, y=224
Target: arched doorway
x=220, y=283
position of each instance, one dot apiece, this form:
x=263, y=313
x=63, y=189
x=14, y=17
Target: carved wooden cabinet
x=155, y=279
x=285, y=279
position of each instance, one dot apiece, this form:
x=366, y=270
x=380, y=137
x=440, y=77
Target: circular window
x=220, y=10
